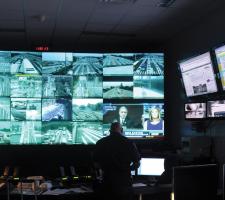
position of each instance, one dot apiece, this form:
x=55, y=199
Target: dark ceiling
x=70, y=24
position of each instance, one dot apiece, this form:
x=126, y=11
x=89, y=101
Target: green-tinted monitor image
x=87, y=132
x=26, y=86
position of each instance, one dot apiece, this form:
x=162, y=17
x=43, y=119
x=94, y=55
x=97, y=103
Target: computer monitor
x=195, y=111
x=198, y=75
x=151, y=167
x=216, y=109
x=195, y=182
x=220, y=57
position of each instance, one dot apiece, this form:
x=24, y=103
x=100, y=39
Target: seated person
x=154, y=122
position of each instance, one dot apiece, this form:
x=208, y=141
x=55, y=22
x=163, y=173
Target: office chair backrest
x=195, y=182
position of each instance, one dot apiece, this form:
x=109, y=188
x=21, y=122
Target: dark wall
x=203, y=36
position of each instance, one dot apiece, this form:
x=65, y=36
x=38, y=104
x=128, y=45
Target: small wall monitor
x=195, y=110
x=151, y=167
x=220, y=57
x=216, y=109
x=198, y=75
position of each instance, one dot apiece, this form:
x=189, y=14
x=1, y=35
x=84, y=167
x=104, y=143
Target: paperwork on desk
x=68, y=191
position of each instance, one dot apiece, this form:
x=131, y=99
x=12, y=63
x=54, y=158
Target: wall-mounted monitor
x=198, y=75
x=71, y=98
x=216, y=109
x=220, y=57
x=139, y=121
x=195, y=110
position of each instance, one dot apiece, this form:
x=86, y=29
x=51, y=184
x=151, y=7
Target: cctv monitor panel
x=220, y=57
x=216, y=109
x=195, y=110
x=72, y=98
x=151, y=167
x=198, y=75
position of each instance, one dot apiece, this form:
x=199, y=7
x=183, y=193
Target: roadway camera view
x=87, y=86
x=25, y=132
x=117, y=89
x=56, y=109
x=87, y=132
x=25, y=109
x=55, y=63
x=149, y=64
x=4, y=86
x=57, y=86
x=26, y=62
x=5, y=61
x=87, y=64
x=26, y=86
x=149, y=87
x=118, y=65
x=87, y=109
x=5, y=132
x=57, y=133
x=4, y=108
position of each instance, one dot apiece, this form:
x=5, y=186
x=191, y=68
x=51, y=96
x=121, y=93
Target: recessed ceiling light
x=165, y=3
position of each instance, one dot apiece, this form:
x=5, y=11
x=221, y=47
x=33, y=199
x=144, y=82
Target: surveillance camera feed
x=216, y=109
x=66, y=98
x=195, y=110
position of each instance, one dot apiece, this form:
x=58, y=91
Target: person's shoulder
x=102, y=140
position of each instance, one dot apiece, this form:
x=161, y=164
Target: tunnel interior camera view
x=49, y=98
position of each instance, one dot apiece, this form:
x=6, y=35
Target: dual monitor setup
x=202, y=76
x=72, y=98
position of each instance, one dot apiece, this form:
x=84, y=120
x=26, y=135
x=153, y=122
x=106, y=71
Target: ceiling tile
x=92, y=27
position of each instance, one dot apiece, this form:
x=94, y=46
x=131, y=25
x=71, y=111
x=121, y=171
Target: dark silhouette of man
x=116, y=155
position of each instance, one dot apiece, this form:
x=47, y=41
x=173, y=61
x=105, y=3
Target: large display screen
x=198, y=75
x=71, y=98
x=220, y=57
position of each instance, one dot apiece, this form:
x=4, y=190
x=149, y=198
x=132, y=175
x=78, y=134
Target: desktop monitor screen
x=216, y=109
x=151, y=167
x=220, y=57
x=198, y=75
x=195, y=110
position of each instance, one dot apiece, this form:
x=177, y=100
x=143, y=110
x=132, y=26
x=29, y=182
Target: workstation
x=68, y=69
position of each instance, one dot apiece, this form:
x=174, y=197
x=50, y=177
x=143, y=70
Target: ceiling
x=70, y=24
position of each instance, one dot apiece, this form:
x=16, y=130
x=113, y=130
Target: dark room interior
x=174, y=31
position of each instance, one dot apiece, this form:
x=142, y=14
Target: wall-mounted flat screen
x=198, y=75
x=216, y=109
x=195, y=110
x=72, y=98
x=220, y=57
x=138, y=120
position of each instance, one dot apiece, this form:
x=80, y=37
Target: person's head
x=123, y=112
x=116, y=128
x=154, y=114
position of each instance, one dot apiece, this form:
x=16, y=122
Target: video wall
x=72, y=98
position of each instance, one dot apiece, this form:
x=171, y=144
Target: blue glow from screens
x=71, y=98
